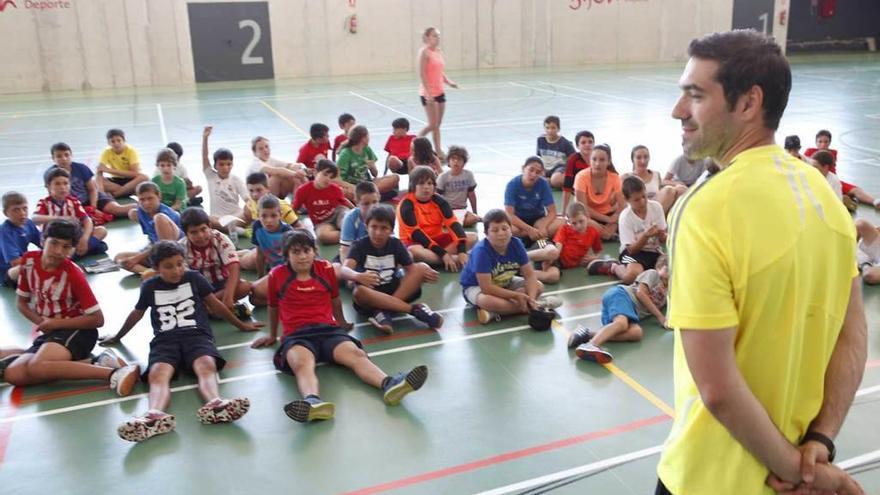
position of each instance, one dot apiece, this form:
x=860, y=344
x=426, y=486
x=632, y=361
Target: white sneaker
x=549, y=302
x=123, y=379
x=109, y=359
x=485, y=316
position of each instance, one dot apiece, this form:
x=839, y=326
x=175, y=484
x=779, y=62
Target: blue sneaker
x=395, y=388
x=581, y=335
x=425, y=315
x=310, y=409
x=381, y=320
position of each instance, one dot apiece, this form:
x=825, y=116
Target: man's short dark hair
x=747, y=58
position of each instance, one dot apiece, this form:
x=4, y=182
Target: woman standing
x=431, y=65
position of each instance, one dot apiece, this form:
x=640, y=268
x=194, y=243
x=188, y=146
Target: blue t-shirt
x=14, y=241
x=485, y=259
x=270, y=243
x=80, y=175
x=177, y=306
x=529, y=205
x=148, y=224
x=353, y=227
x=384, y=260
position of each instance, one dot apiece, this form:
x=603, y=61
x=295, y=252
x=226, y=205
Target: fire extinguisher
x=352, y=23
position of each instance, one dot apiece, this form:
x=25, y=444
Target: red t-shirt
x=308, y=152
x=60, y=293
x=575, y=245
x=573, y=165
x=304, y=302
x=319, y=202
x=399, y=146
x=70, y=207
x=811, y=151
x=337, y=142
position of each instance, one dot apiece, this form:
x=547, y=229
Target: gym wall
x=85, y=44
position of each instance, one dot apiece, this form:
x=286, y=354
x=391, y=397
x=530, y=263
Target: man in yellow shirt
x=121, y=163
x=765, y=299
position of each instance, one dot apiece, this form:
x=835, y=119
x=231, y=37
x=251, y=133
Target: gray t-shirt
x=455, y=188
x=656, y=288
x=687, y=172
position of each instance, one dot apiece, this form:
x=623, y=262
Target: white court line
x=89, y=405
x=556, y=93
x=603, y=95
x=867, y=391
x=859, y=460
x=586, y=468
x=420, y=121
x=162, y=123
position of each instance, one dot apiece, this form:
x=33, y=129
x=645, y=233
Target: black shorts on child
x=648, y=259
x=389, y=288
x=103, y=199
x=79, y=342
x=320, y=340
x=180, y=348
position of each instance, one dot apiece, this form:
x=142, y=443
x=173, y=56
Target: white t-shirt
x=257, y=164
x=632, y=226
x=179, y=171
x=652, y=187
x=225, y=193
x=835, y=185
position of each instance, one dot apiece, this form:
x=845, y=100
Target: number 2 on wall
x=246, y=57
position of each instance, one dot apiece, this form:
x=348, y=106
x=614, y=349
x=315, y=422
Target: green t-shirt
x=173, y=191
x=352, y=166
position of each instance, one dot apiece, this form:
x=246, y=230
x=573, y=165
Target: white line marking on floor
x=603, y=95
x=162, y=123
x=416, y=119
x=859, y=460
x=556, y=93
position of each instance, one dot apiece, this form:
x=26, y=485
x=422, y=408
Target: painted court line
x=600, y=94
x=284, y=118
x=89, y=405
x=162, y=123
x=641, y=390
x=416, y=119
x=507, y=457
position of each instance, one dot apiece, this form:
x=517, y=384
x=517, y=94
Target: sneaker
x=310, y=409
x=581, y=335
x=242, y=311
x=223, y=410
x=109, y=359
x=4, y=363
x=485, y=316
x=395, y=388
x=425, y=315
x=148, y=274
x=381, y=320
x=601, y=267
x=123, y=379
x=147, y=426
x=590, y=352
x=197, y=201
x=549, y=302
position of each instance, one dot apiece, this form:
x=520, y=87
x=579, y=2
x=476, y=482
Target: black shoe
x=581, y=335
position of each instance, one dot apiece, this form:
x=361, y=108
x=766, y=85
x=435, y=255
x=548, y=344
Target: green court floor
x=505, y=409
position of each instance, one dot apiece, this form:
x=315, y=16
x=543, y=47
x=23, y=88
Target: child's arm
x=532, y=232
x=93, y=320
x=367, y=278
x=261, y=263
x=472, y=197
x=532, y=284
x=234, y=270
x=642, y=239
x=219, y=308
x=339, y=315
x=436, y=165
x=92, y=190
x=26, y=311
x=643, y=294
x=206, y=161
x=137, y=259
x=566, y=199
x=246, y=215
x=133, y=317
x=490, y=289
x=270, y=339
x=176, y=205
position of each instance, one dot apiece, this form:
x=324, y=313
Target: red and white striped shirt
x=213, y=260
x=70, y=207
x=60, y=293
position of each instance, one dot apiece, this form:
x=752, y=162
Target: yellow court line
x=285, y=119
x=633, y=384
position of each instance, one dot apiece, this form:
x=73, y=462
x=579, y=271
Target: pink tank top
x=434, y=73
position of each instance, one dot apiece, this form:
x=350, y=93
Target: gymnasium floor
x=506, y=409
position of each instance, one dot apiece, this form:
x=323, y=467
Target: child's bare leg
x=866, y=231
x=871, y=276
x=10, y=351
x=160, y=386
x=351, y=356
x=387, y=183
x=327, y=233
x=13, y=272
x=412, y=280
x=109, y=186
x=546, y=253
x=628, y=273
x=551, y=227
x=471, y=219
x=118, y=210
x=260, y=292
x=557, y=179
x=620, y=329
x=548, y=274
x=205, y=368
x=166, y=229
x=52, y=362
x=247, y=259
x=120, y=259
x=99, y=233
x=129, y=187
x=302, y=363
x=371, y=298
x=498, y=305
x=421, y=253
x=862, y=196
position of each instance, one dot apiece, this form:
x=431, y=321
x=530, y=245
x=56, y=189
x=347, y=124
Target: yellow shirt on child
x=120, y=161
x=287, y=214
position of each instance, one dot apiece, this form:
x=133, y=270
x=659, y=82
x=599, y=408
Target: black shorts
x=79, y=342
x=388, y=288
x=320, y=340
x=441, y=98
x=9, y=282
x=661, y=489
x=648, y=259
x=104, y=198
x=218, y=285
x=180, y=348
x=120, y=181
x=558, y=168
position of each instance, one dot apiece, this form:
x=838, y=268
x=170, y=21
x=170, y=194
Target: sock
x=313, y=396
x=877, y=203
x=385, y=381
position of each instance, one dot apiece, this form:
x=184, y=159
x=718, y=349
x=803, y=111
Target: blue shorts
x=616, y=302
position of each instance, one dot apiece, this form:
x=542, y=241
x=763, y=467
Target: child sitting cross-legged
x=158, y=222
x=573, y=242
x=183, y=341
x=325, y=202
x=258, y=188
x=172, y=187
x=623, y=307
x=16, y=233
x=304, y=299
x=387, y=279
x=61, y=204
x=458, y=186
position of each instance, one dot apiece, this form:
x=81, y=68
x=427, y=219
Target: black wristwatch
x=815, y=436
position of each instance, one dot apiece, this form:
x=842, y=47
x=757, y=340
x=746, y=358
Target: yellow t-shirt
x=764, y=246
x=287, y=213
x=122, y=161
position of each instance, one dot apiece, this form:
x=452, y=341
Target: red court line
x=6, y=428
x=509, y=456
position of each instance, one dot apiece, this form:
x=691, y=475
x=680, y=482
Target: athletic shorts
x=471, y=292
x=558, y=168
x=661, y=489
x=388, y=288
x=180, y=348
x=218, y=285
x=320, y=340
x=79, y=342
x=846, y=187
x=868, y=254
x=444, y=240
x=441, y=98
x=616, y=302
x=648, y=259
x=338, y=214
x=120, y=181
x=103, y=199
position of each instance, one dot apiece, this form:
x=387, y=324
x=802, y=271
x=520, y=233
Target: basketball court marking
x=285, y=119
x=162, y=123
x=394, y=110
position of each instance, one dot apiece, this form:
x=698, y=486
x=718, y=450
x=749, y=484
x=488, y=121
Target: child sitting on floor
x=16, y=233
x=183, y=341
x=325, y=202
x=399, y=147
x=573, y=242
x=172, y=187
x=458, y=186
x=258, y=188
x=224, y=189
x=192, y=191
x=554, y=150
x=422, y=154
x=346, y=121
x=317, y=147
x=61, y=204
x=304, y=298
x=83, y=185
x=158, y=222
